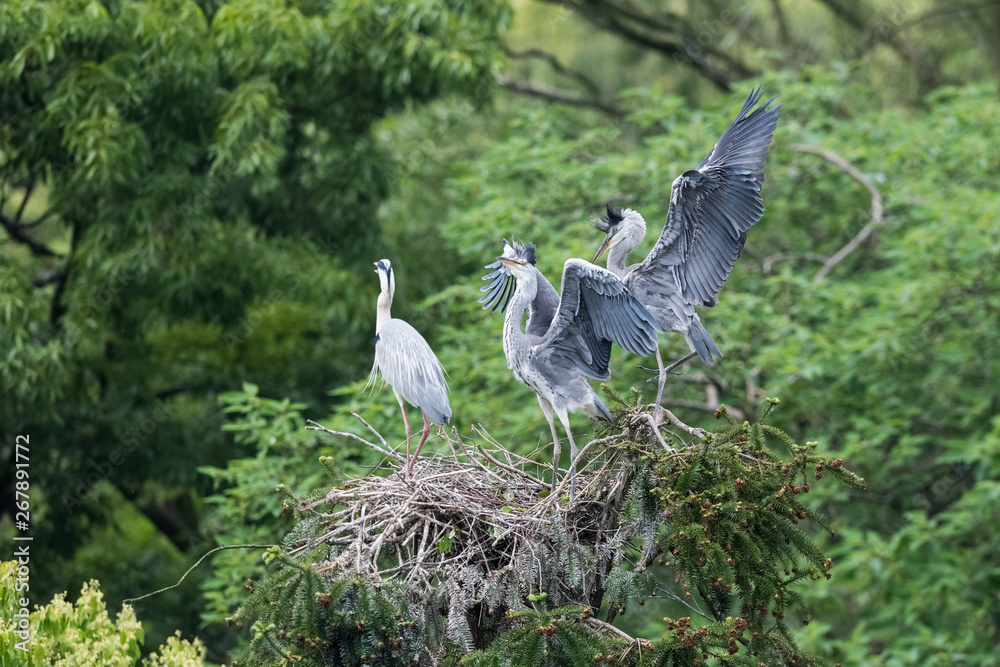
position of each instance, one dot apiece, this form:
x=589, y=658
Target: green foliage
x=80, y=633
x=247, y=508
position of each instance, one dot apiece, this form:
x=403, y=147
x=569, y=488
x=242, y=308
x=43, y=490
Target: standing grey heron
x=568, y=338
x=407, y=364
x=711, y=209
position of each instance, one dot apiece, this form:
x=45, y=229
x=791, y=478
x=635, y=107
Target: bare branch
x=557, y=66
x=190, y=569
x=557, y=95
x=24, y=201
x=319, y=427
x=691, y=430
x=876, y=212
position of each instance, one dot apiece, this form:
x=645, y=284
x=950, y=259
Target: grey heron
x=407, y=364
x=711, y=209
x=567, y=338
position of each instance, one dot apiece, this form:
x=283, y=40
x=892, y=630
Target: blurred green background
x=193, y=192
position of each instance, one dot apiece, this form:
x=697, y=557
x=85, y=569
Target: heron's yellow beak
x=604, y=246
x=509, y=261
x=376, y=266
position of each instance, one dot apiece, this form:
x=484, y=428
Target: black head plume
x=525, y=251
x=613, y=217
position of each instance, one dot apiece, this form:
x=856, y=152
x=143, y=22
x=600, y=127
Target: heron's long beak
x=604, y=246
x=509, y=261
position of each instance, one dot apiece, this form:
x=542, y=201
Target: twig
x=691, y=430
x=598, y=624
x=190, y=569
x=669, y=369
x=372, y=429
x=319, y=427
x=653, y=424
x=876, y=213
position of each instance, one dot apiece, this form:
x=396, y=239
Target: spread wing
x=711, y=209
x=598, y=308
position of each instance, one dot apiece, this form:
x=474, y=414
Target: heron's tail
x=701, y=342
x=598, y=410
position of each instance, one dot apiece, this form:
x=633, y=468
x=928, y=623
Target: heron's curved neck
x=627, y=241
x=524, y=294
x=382, y=310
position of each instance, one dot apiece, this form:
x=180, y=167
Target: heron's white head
x=518, y=267
x=624, y=227
x=386, y=278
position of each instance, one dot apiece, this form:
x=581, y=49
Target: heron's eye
x=614, y=229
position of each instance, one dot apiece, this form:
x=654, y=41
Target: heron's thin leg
x=406, y=423
x=659, y=386
x=423, y=438
x=564, y=418
x=547, y=410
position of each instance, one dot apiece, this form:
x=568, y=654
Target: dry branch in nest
x=481, y=517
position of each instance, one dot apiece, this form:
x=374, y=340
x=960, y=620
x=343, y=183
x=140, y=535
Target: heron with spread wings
x=568, y=336
x=711, y=209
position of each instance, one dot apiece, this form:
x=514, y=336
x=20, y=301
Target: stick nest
x=479, y=508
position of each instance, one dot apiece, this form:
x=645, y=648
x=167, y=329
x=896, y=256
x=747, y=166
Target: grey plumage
x=711, y=209
x=568, y=338
x=407, y=363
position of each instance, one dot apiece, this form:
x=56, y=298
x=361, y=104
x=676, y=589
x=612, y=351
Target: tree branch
x=779, y=15
x=876, y=213
x=58, y=309
x=611, y=16
x=49, y=276
x=24, y=201
x=557, y=95
x=17, y=233
x=558, y=67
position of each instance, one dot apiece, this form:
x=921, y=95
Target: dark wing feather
x=502, y=285
x=598, y=308
x=712, y=208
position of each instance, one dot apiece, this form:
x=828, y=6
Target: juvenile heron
x=407, y=364
x=568, y=338
x=711, y=209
